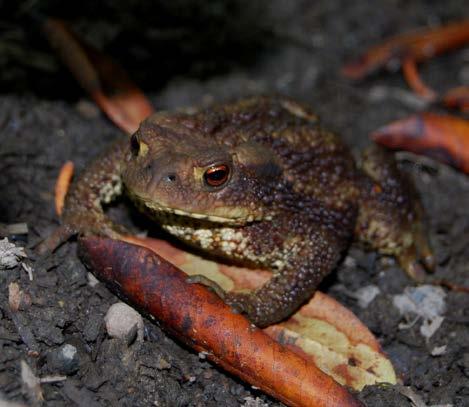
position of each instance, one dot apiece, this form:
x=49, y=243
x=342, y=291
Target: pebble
x=365, y=295
x=64, y=359
x=123, y=322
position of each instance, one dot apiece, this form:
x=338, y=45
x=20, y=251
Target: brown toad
x=260, y=182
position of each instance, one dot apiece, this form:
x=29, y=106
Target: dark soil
x=193, y=53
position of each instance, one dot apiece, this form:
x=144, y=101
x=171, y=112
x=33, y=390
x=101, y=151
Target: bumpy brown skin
x=292, y=201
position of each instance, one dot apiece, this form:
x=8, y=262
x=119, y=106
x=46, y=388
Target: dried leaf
x=418, y=46
x=322, y=331
x=31, y=382
x=10, y=254
x=105, y=81
x=198, y=317
x=61, y=186
x=413, y=79
x=442, y=137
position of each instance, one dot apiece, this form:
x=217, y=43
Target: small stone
x=64, y=359
x=203, y=355
x=366, y=295
x=92, y=280
x=92, y=327
x=123, y=322
x=94, y=377
x=163, y=364
x=254, y=402
x=438, y=350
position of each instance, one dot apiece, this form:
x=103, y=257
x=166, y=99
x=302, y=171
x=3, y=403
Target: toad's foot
x=391, y=216
x=414, y=256
x=84, y=224
x=56, y=239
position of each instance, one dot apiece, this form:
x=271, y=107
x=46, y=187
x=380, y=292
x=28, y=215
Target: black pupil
x=217, y=175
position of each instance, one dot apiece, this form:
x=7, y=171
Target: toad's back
x=313, y=160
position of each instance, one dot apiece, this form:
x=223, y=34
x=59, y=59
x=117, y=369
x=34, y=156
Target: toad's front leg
x=294, y=280
x=83, y=213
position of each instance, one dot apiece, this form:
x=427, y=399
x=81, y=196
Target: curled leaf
x=105, y=81
x=442, y=137
x=199, y=318
x=61, y=186
x=413, y=79
x=322, y=331
x=418, y=46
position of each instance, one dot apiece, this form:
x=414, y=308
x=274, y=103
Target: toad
x=261, y=183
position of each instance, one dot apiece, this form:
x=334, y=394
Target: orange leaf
x=105, y=81
x=199, y=318
x=442, y=137
x=457, y=98
x=413, y=79
x=418, y=46
x=61, y=186
x=322, y=331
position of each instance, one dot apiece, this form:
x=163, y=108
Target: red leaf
x=202, y=320
x=105, y=81
x=418, y=46
x=442, y=137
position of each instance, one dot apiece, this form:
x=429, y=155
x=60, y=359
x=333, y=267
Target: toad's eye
x=217, y=175
x=135, y=144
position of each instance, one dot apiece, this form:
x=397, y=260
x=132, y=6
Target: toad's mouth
x=225, y=215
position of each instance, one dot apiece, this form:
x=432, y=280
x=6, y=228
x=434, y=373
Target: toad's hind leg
x=390, y=214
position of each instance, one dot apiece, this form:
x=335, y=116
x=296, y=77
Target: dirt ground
x=187, y=53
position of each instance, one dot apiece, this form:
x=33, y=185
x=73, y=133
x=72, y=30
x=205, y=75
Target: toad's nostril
x=170, y=177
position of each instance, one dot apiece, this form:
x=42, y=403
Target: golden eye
x=217, y=175
x=135, y=144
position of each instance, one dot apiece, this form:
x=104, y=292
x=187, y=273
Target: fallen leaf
x=61, y=186
x=199, y=318
x=322, y=331
x=105, y=81
x=413, y=79
x=426, y=302
x=31, y=383
x=418, y=46
x=442, y=137
x=10, y=254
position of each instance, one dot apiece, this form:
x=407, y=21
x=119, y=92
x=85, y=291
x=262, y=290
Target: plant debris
x=10, y=254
